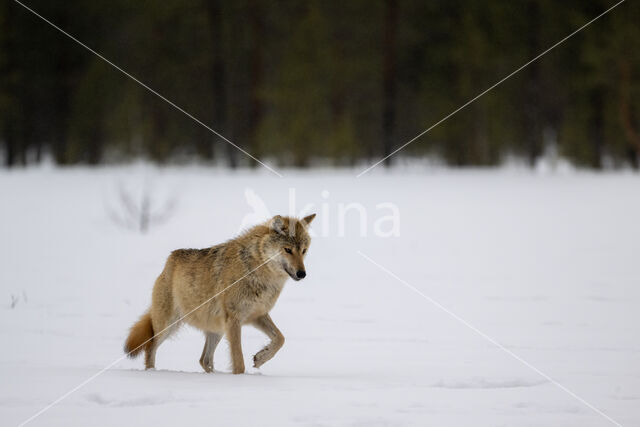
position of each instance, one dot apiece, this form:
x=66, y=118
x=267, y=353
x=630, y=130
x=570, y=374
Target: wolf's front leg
x=266, y=325
x=210, y=344
x=235, y=343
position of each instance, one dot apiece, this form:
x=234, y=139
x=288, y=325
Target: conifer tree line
x=319, y=82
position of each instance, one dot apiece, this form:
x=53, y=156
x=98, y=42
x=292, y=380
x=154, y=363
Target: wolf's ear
x=307, y=219
x=277, y=224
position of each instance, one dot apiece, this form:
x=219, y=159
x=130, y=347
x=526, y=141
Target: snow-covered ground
x=545, y=265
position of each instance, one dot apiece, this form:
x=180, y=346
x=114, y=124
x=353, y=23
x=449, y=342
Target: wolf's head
x=289, y=241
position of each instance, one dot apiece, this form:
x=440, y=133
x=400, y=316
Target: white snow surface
x=545, y=265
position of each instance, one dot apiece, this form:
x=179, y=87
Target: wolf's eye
x=304, y=251
x=287, y=250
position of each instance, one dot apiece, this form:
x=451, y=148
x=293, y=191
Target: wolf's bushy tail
x=140, y=336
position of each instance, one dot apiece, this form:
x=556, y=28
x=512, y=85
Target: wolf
x=221, y=288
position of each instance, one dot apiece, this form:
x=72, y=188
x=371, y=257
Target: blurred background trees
x=319, y=82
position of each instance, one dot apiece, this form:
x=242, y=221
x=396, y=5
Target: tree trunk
x=532, y=99
x=256, y=108
x=61, y=95
x=631, y=131
x=95, y=148
x=10, y=115
x=389, y=77
x=10, y=148
x=214, y=11
x=596, y=127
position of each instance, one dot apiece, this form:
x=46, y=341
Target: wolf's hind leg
x=164, y=328
x=210, y=344
x=266, y=325
x=150, y=356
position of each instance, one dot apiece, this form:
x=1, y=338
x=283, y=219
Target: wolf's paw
x=260, y=358
x=207, y=366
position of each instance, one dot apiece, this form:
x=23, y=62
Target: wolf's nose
x=301, y=274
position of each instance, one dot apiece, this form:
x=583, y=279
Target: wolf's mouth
x=293, y=276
